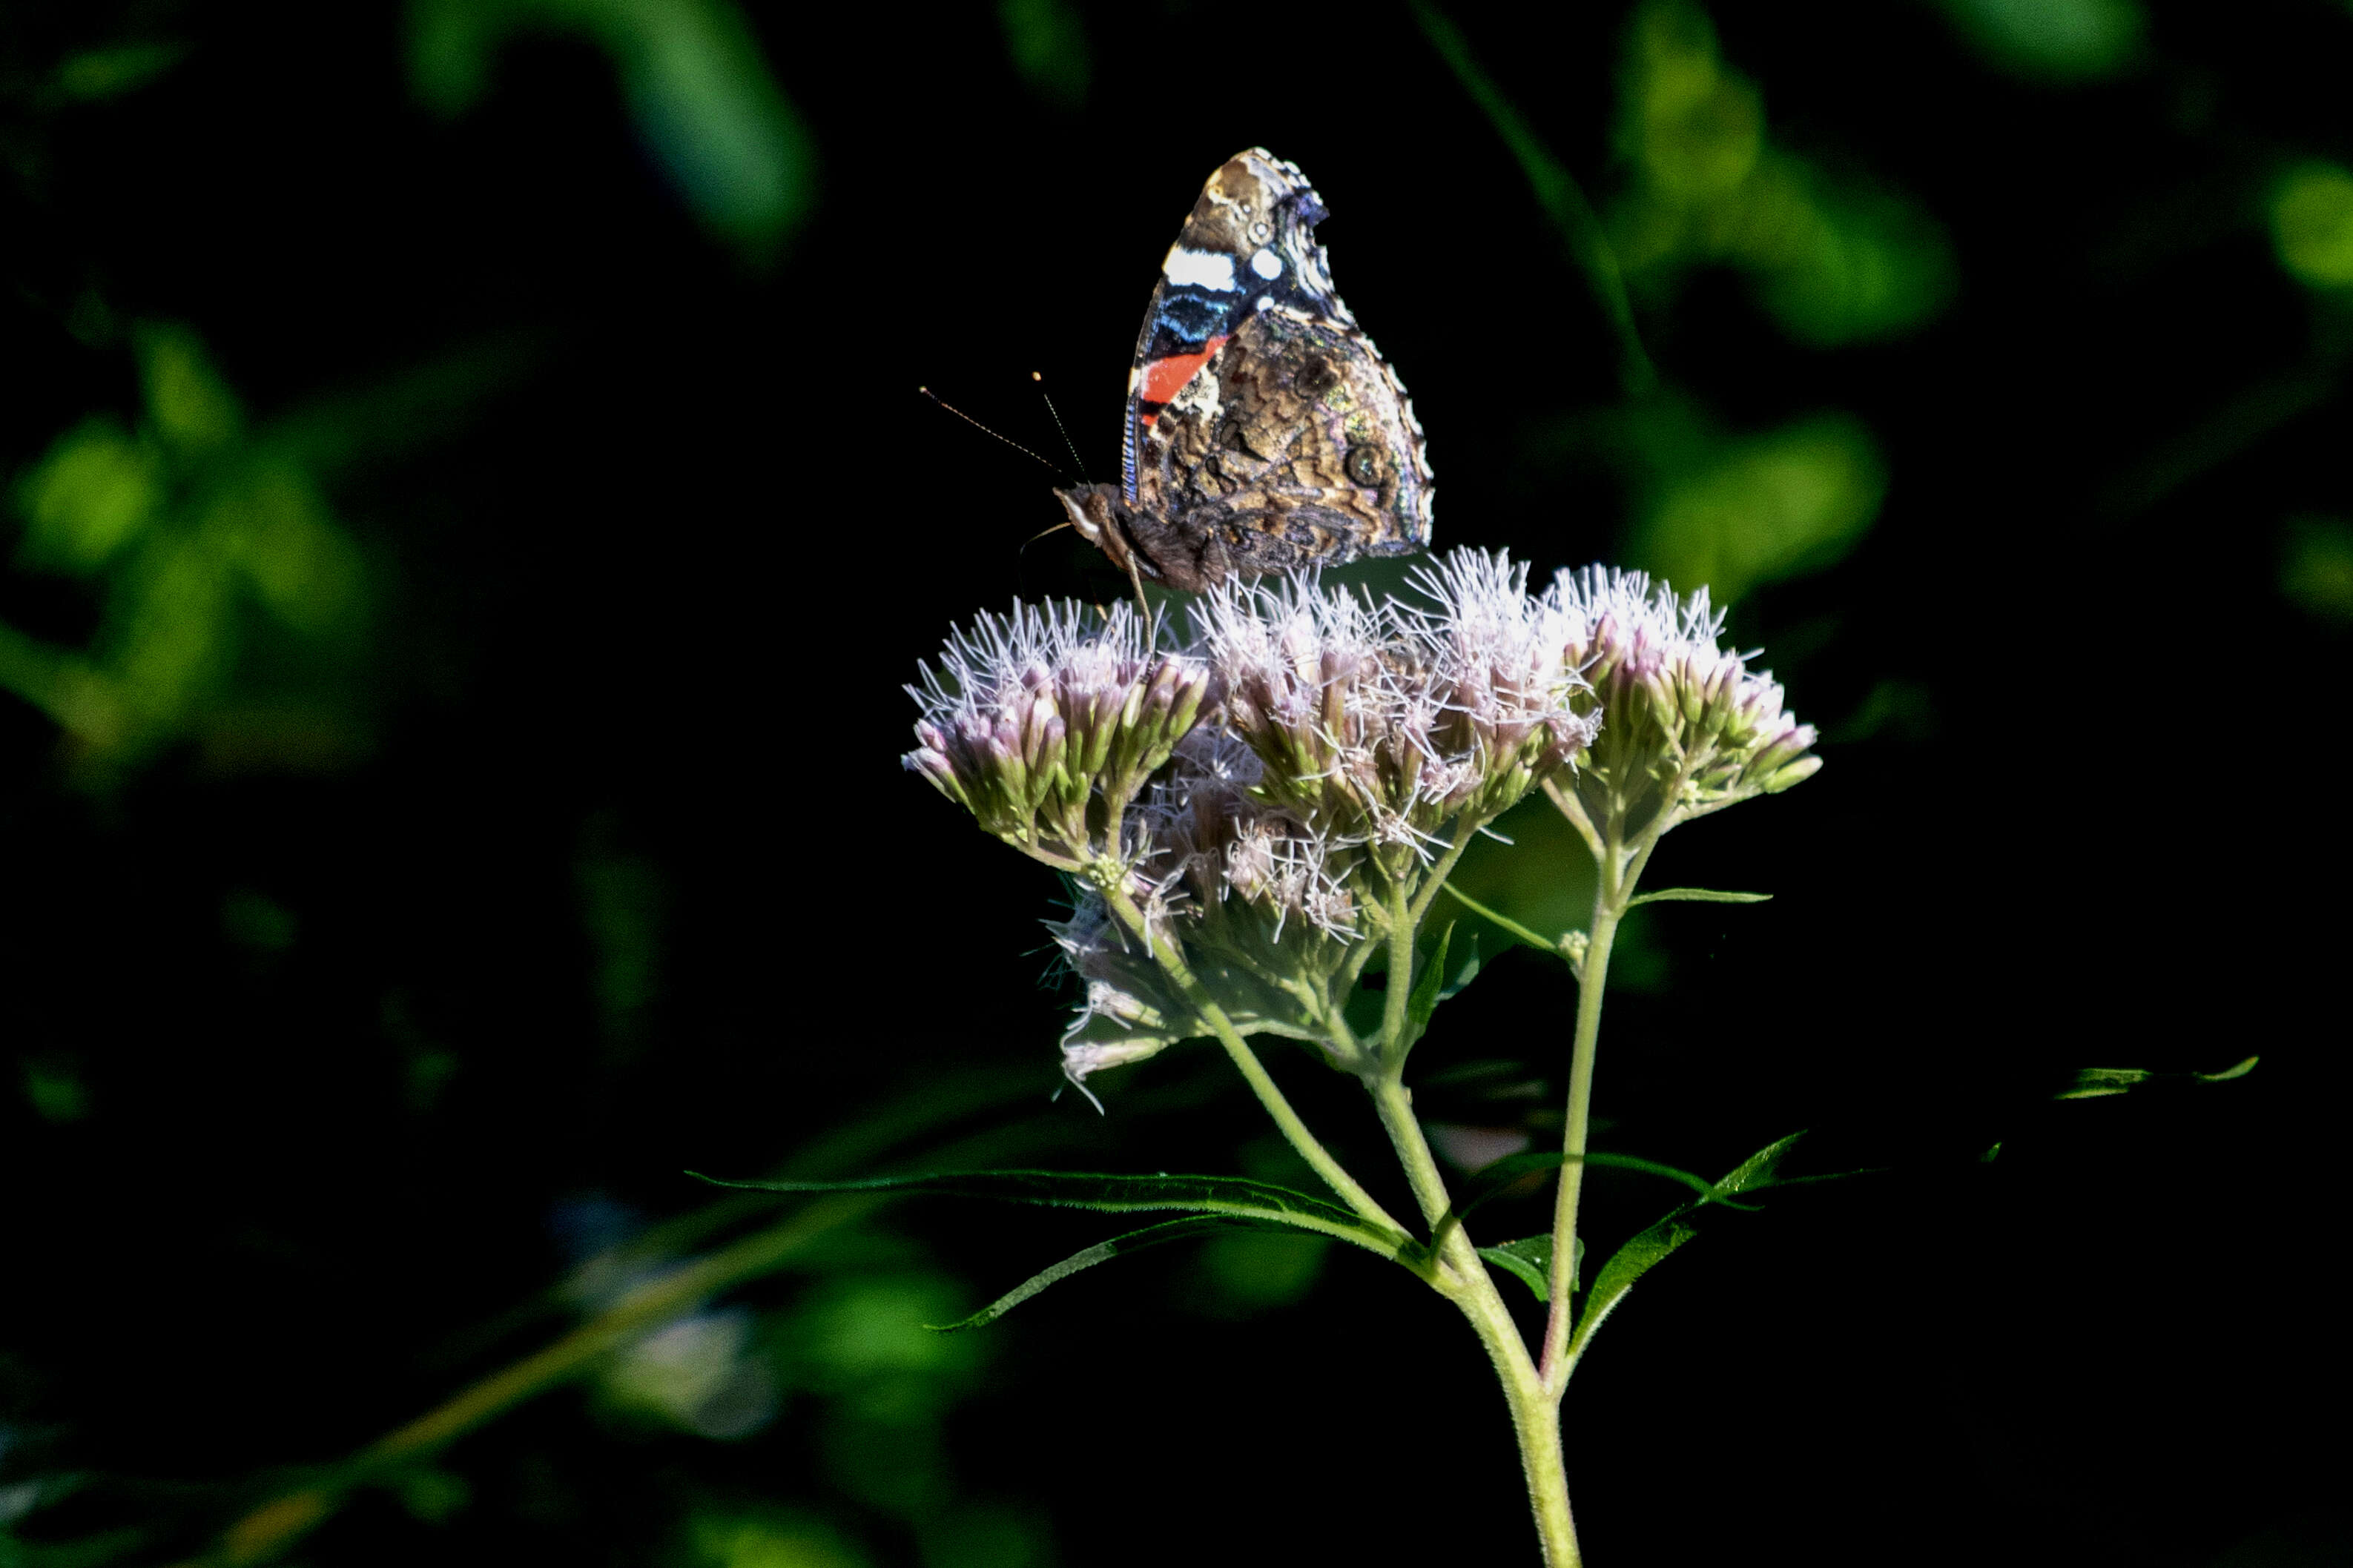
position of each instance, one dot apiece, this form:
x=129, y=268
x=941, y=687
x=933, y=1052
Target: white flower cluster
x=1378, y=725
x=1686, y=727
x=1046, y=723
x=1265, y=800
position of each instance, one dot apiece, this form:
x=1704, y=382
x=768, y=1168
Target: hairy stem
x=1400, y=991
x=1535, y=1406
x=1592, y=981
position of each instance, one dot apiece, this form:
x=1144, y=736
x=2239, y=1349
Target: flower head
x=1686, y=727
x=1045, y=723
x=1378, y=725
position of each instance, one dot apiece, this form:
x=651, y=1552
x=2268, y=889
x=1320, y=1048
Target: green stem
x=1444, y=868
x=1401, y=990
x=1196, y=997
x=1535, y=1406
x=1608, y=907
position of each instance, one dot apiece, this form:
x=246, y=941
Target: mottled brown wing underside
x=1292, y=444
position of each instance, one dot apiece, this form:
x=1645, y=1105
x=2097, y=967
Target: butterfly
x=1264, y=431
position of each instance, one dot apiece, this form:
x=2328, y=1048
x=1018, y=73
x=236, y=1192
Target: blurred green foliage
x=2053, y=40
x=1734, y=513
x=96, y=74
x=2316, y=569
x=229, y=595
x=1047, y=41
x=737, y=1537
x=2312, y=224
x=1831, y=261
x=697, y=88
x=622, y=903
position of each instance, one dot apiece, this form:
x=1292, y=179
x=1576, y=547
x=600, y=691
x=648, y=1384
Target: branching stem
x=1196, y=997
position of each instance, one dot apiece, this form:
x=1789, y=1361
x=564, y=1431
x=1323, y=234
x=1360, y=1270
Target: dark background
x=475, y=517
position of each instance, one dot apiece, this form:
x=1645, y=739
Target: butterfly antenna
x=984, y=430
x=1077, y=466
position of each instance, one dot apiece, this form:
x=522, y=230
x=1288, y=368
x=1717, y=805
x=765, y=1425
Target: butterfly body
x=1264, y=431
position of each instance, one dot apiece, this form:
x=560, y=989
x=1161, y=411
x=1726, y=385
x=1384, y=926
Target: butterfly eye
x=1364, y=465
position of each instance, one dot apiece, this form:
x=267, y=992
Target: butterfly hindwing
x=1263, y=429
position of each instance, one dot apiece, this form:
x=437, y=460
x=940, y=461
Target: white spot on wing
x=1266, y=302
x=1266, y=263
x=1202, y=268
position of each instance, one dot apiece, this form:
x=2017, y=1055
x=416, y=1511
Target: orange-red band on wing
x=1164, y=378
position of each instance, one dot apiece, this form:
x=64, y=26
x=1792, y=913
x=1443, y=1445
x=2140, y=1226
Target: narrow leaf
x=1492, y=1180
x=1699, y=896
x=1650, y=1248
x=1530, y=1260
x=2092, y=1083
x=1508, y=925
x=1103, y=1252
x=1114, y=1193
x=1424, y=1000
x=1466, y=969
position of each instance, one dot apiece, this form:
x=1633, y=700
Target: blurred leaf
x=1112, y=1194
x=1763, y=508
x=987, y=1535
x=1650, y=1248
x=97, y=74
x=1102, y=1252
x=2316, y=571
x=622, y=904
x=187, y=403
x=2094, y=1083
x=1250, y=1269
x=769, y=1538
x=55, y=1091
x=231, y=598
x=1833, y=262
x=1048, y=42
x=88, y=499
x=1699, y=896
x=697, y=88
x=432, y=1494
x=2312, y=224
x=255, y=921
x=2053, y=40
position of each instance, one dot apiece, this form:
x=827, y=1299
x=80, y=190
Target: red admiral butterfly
x=1264, y=431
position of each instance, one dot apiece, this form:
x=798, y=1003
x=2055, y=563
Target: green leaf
x=1467, y=964
x=1103, y=1252
x=1492, y=1180
x=1112, y=1194
x=1509, y=926
x=1530, y=1260
x=2092, y=1083
x=1646, y=1250
x=1424, y=1000
x=1698, y=896
x=1437, y=981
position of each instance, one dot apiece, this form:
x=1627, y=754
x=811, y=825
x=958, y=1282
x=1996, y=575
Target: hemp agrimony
x=1257, y=817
